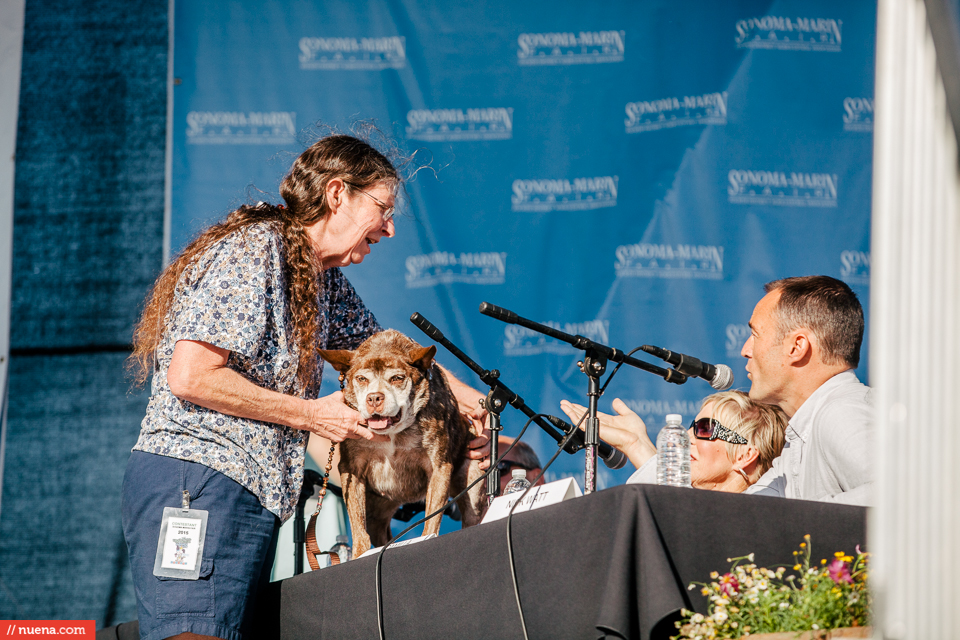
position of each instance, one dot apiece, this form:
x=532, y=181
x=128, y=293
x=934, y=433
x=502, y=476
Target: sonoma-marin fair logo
x=443, y=267
x=789, y=33
x=780, y=188
x=585, y=47
x=241, y=127
x=737, y=335
x=677, y=111
x=579, y=194
x=855, y=267
x=520, y=341
x=353, y=53
x=646, y=260
x=858, y=114
x=460, y=124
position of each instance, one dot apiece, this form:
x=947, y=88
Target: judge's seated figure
x=522, y=456
x=733, y=440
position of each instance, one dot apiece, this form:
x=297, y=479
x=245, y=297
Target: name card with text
x=541, y=496
x=402, y=543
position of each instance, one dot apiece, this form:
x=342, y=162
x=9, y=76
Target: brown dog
x=395, y=385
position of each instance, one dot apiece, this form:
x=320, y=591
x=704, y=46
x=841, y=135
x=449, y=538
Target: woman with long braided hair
x=230, y=334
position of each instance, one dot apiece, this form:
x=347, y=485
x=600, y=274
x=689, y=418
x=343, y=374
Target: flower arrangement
x=749, y=600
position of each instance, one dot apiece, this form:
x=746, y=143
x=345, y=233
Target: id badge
x=180, y=549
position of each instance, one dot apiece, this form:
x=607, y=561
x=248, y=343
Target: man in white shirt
x=804, y=344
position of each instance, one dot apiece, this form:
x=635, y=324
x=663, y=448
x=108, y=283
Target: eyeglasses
x=387, y=211
x=710, y=429
x=504, y=466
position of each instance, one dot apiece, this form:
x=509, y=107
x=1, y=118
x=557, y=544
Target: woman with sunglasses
x=733, y=440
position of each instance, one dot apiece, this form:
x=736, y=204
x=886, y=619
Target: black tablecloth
x=613, y=564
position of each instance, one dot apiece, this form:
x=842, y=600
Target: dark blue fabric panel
x=88, y=214
x=88, y=233
x=71, y=424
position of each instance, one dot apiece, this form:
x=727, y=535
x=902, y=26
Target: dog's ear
x=339, y=359
x=422, y=358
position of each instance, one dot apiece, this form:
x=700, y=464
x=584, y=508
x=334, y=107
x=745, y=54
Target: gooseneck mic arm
x=593, y=365
x=500, y=396
x=719, y=376
x=580, y=342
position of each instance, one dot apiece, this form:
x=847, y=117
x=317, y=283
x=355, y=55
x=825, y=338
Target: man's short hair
x=521, y=453
x=827, y=307
x=763, y=425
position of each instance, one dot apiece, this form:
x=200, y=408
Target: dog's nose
x=375, y=402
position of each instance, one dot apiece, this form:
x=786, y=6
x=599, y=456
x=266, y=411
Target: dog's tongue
x=378, y=423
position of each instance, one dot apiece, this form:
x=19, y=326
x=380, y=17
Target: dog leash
x=313, y=549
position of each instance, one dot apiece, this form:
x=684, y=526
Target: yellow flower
x=705, y=591
x=839, y=554
x=796, y=567
x=803, y=544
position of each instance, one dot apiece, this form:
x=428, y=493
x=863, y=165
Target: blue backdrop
x=632, y=172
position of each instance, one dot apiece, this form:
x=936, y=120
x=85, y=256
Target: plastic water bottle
x=518, y=482
x=342, y=549
x=673, y=453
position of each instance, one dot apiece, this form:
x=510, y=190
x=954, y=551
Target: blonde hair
x=763, y=425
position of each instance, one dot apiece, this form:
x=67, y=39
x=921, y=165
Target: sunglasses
x=710, y=429
x=504, y=466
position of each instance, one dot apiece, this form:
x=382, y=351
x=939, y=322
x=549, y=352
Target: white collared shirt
x=828, y=446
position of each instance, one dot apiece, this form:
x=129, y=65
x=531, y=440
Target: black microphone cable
x=493, y=465
x=513, y=567
x=513, y=571
x=560, y=447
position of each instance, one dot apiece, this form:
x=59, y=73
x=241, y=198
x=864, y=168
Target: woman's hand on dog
x=331, y=418
x=479, y=449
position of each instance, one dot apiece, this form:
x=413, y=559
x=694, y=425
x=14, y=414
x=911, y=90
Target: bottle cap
x=520, y=473
x=674, y=418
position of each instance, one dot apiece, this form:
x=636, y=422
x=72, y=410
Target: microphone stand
x=498, y=398
x=593, y=365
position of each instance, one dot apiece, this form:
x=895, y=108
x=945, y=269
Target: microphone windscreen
x=723, y=378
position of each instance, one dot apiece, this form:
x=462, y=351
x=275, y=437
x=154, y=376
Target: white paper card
x=541, y=496
x=180, y=548
x=402, y=543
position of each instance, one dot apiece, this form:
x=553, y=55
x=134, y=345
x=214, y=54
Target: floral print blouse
x=235, y=298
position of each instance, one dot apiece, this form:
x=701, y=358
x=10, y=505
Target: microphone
x=611, y=456
x=719, y=376
x=499, y=313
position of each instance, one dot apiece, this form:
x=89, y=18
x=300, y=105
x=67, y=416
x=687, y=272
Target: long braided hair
x=304, y=191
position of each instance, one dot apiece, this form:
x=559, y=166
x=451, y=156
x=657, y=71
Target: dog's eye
x=361, y=379
x=397, y=379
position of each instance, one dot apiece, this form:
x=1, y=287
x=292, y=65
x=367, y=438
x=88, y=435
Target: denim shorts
x=237, y=554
